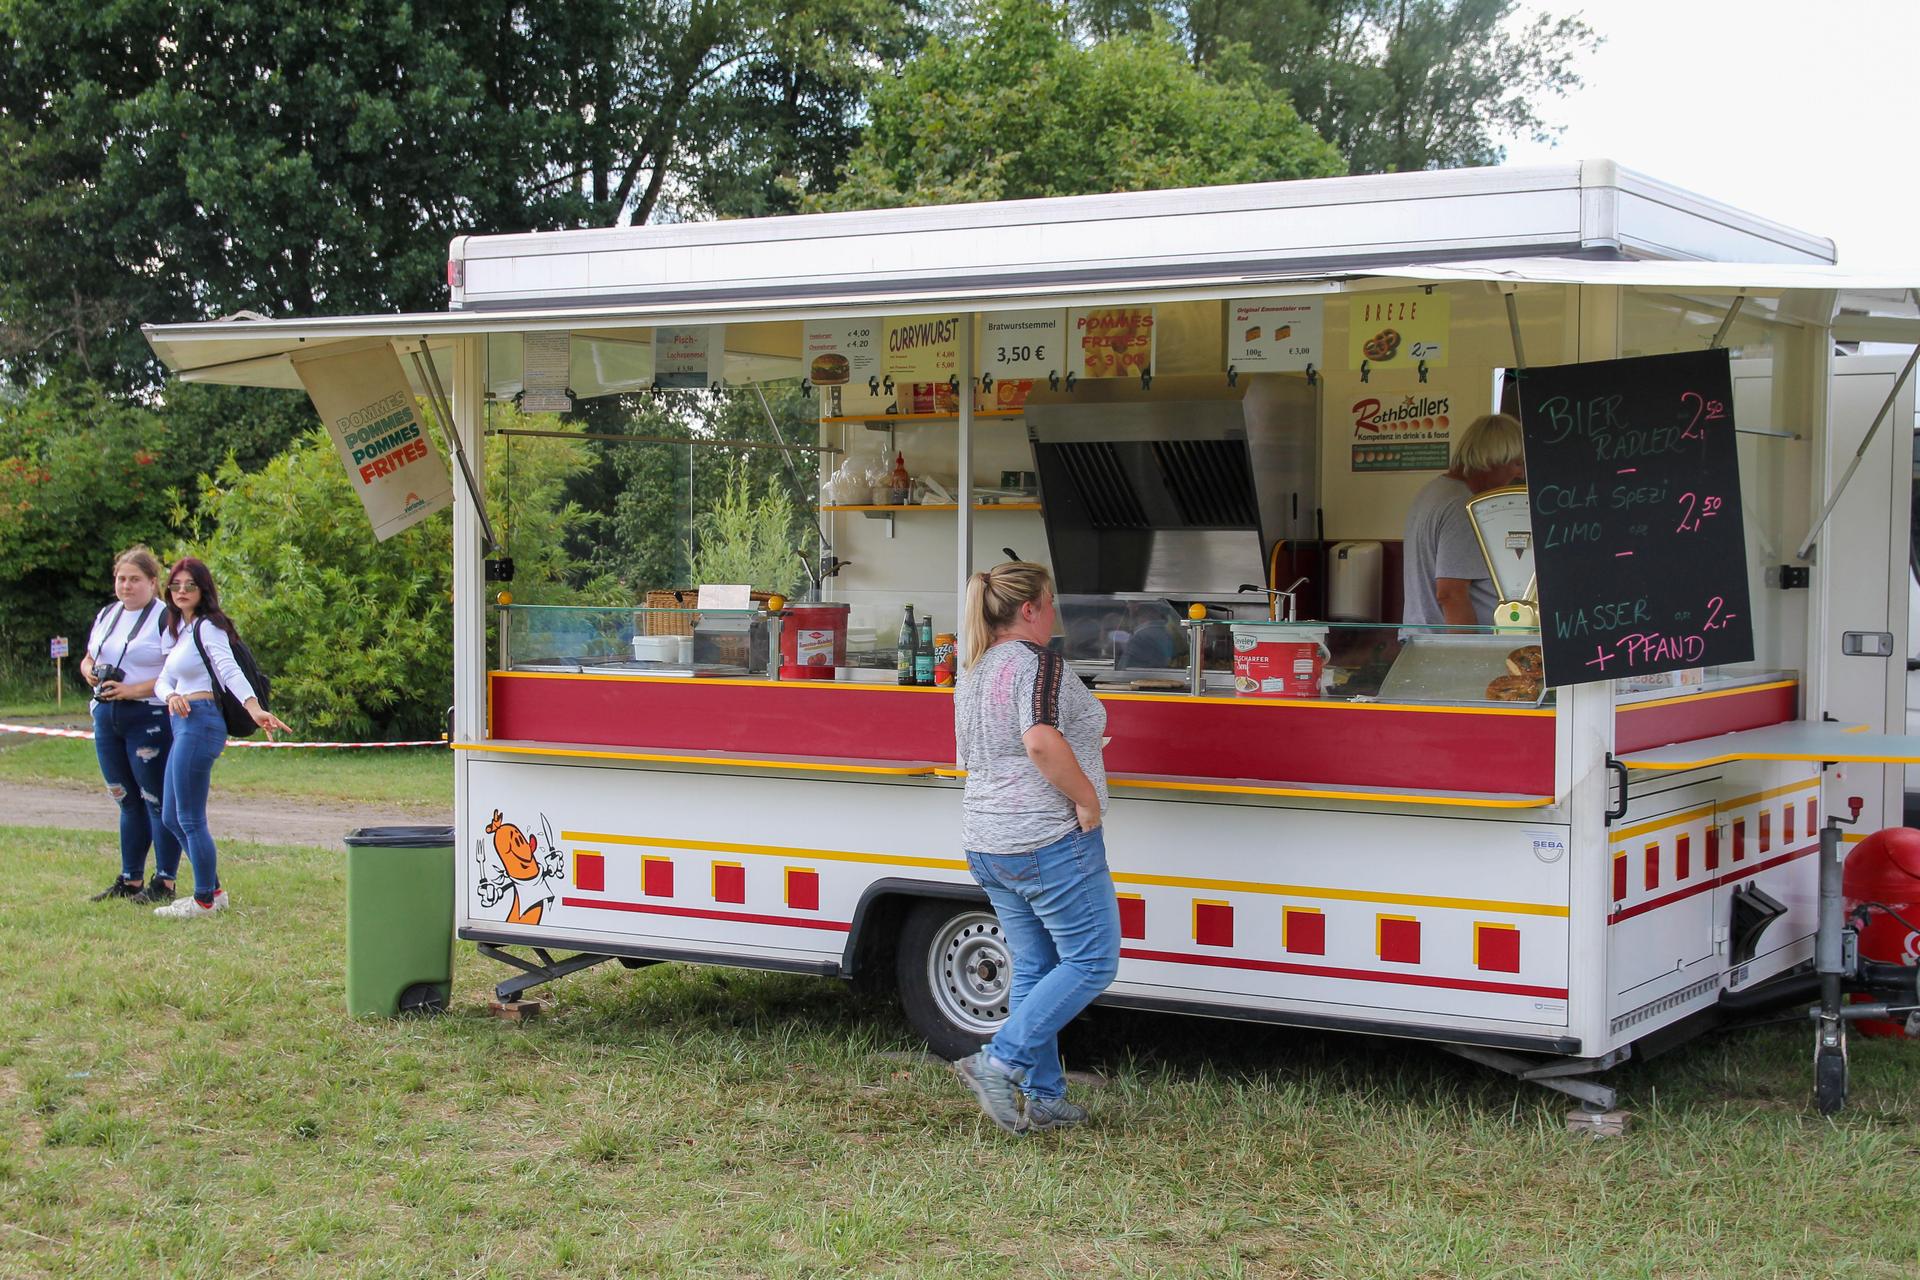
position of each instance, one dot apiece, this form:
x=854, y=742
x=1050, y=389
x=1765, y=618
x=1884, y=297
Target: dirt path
x=265, y=819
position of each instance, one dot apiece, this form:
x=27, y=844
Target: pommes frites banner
x=363, y=397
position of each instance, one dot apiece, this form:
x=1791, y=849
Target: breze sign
x=361, y=393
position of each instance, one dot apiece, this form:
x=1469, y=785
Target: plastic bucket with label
x=1279, y=661
x=813, y=641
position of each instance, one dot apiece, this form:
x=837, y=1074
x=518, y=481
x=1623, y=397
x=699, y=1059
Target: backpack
x=239, y=723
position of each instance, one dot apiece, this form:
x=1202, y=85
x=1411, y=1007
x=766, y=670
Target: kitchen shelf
x=935, y=506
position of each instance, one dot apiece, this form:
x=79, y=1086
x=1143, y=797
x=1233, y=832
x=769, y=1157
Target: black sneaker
x=157, y=892
x=118, y=889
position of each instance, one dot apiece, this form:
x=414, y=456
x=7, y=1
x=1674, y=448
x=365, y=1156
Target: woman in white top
x=131, y=735
x=195, y=622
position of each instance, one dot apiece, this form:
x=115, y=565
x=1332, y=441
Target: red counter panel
x=1691, y=716
x=1345, y=744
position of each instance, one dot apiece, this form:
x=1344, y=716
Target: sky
x=1804, y=113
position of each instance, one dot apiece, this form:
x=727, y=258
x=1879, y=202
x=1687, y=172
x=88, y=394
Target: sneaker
x=158, y=891
x=1054, y=1113
x=997, y=1092
x=190, y=909
x=118, y=889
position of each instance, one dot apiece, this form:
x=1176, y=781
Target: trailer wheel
x=954, y=972
x=1830, y=1080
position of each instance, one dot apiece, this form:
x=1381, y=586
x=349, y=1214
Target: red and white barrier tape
x=39, y=731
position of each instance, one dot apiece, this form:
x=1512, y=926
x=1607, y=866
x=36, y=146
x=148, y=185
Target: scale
x=1502, y=523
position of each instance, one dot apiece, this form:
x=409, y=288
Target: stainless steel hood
x=1179, y=490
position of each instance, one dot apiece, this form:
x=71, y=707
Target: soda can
x=943, y=660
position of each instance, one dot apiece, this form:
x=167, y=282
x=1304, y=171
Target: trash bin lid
x=398, y=837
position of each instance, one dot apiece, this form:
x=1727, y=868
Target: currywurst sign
x=1634, y=483
x=363, y=397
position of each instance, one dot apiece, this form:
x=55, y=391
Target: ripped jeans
x=132, y=740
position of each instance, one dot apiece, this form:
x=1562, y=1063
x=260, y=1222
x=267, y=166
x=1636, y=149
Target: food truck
x=1207, y=411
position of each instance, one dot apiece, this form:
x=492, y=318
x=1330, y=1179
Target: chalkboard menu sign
x=1638, y=539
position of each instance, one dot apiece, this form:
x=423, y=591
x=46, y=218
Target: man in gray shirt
x=1445, y=576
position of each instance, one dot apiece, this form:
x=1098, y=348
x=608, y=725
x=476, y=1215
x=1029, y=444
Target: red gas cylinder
x=1885, y=869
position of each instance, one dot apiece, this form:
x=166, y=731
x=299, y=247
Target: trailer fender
x=877, y=919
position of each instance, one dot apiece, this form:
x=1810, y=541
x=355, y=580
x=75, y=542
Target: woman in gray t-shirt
x=1029, y=734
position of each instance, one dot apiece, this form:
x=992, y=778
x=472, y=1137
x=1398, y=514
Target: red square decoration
x=590, y=872
x=1398, y=939
x=1620, y=876
x=1496, y=948
x=1683, y=857
x=1653, y=865
x=729, y=882
x=1133, y=916
x=1713, y=848
x=1766, y=830
x=803, y=889
x=656, y=877
x=1303, y=931
x=1213, y=923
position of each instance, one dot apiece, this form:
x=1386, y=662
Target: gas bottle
x=1884, y=869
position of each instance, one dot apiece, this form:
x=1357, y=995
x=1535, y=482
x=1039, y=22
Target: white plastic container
x=659, y=648
x=1356, y=571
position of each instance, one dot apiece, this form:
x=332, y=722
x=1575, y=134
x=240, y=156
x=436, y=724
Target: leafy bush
x=357, y=635
x=81, y=477
x=743, y=538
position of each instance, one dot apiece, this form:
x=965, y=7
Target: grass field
x=189, y=1100
x=419, y=777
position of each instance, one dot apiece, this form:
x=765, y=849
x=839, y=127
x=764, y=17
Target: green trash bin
x=399, y=920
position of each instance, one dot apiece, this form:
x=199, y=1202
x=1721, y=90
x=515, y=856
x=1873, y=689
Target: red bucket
x=813, y=641
x=1279, y=661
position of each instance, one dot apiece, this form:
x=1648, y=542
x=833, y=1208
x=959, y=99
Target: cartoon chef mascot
x=518, y=870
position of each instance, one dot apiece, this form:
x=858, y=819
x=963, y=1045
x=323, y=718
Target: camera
x=107, y=673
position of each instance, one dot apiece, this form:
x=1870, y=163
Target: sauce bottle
x=900, y=482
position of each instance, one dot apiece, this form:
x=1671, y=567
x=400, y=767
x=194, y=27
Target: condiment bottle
x=902, y=483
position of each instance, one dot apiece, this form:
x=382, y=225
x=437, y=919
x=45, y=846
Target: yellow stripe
x=1347, y=895
x=769, y=850
x=1704, y=697
x=1177, y=882
x=652, y=757
x=1672, y=820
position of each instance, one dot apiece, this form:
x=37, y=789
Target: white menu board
x=686, y=357
x=1276, y=335
x=842, y=352
x=1023, y=344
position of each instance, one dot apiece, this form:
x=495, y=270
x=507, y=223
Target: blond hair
x=140, y=558
x=994, y=597
x=1490, y=440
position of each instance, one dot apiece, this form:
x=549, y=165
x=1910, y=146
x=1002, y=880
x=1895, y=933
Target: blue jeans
x=1061, y=919
x=198, y=739
x=132, y=741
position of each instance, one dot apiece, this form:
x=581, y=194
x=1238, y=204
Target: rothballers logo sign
x=1412, y=433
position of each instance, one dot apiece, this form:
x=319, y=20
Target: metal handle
x=1615, y=814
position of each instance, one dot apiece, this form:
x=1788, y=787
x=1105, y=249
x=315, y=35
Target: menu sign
x=1279, y=335
x=1111, y=342
x=685, y=357
x=1399, y=330
x=1641, y=549
x=921, y=348
x=1022, y=344
x=842, y=351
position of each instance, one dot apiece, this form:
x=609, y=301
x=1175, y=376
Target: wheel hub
x=971, y=970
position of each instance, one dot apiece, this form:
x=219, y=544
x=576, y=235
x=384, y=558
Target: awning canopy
x=1865, y=306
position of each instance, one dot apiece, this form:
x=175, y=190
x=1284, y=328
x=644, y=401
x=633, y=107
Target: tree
x=1394, y=85
x=192, y=158
x=1017, y=109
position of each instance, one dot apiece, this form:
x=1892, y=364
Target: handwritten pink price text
x=1684, y=646
x=1696, y=509
x=1704, y=411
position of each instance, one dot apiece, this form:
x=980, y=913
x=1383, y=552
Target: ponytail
x=993, y=600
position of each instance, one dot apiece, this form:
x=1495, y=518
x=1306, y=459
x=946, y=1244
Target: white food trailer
x=1541, y=886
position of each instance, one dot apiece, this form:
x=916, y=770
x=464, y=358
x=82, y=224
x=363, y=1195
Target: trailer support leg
x=1559, y=1074
x=534, y=974
x=1830, y=962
